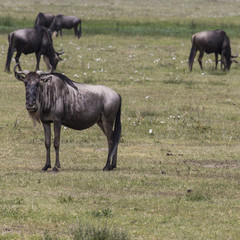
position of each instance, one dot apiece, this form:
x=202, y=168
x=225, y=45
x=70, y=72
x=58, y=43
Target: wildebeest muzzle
x=31, y=96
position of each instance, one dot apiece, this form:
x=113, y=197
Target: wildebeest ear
x=45, y=78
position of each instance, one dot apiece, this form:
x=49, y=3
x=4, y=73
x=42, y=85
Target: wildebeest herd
x=53, y=98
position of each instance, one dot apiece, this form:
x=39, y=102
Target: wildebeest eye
x=46, y=78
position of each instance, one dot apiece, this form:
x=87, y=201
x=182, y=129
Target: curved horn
x=18, y=74
x=235, y=56
x=40, y=72
x=60, y=53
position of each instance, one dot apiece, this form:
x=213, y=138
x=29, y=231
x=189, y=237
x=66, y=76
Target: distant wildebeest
x=32, y=40
x=68, y=22
x=54, y=98
x=44, y=19
x=212, y=42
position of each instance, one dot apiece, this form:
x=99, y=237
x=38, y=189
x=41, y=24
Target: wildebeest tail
x=80, y=29
x=10, y=52
x=37, y=20
x=117, y=130
x=192, y=54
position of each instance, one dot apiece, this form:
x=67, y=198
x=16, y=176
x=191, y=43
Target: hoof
x=112, y=167
x=55, y=169
x=46, y=167
x=107, y=168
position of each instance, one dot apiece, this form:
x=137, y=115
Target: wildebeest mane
x=65, y=79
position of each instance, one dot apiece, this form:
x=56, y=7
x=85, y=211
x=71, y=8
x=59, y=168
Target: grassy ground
x=178, y=171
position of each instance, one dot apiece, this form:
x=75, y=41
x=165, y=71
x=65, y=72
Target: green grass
x=178, y=160
x=177, y=28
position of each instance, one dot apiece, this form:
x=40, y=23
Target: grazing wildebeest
x=68, y=22
x=44, y=19
x=212, y=42
x=54, y=98
x=30, y=40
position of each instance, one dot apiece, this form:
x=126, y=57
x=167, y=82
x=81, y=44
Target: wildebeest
x=44, y=19
x=54, y=98
x=211, y=42
x=30, y=40
x=68, y=22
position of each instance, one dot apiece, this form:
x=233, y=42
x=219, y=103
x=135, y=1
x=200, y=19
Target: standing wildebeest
x=68, y=22
x=211, y=42
x=32, y=40
x=44, y=19
x=54, y=98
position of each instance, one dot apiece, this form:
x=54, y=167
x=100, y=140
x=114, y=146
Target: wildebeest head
x=229, y=60
x=31, y=81
x=53, y=61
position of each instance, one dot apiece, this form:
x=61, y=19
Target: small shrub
x=102, y=213
x=196, y=197
x=47, y=236
x=63, y=199
x=86, y=232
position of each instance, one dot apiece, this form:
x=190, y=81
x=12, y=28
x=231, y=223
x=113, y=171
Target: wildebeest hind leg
x=200, y=59
x=57, y=131
x=106, y=127
x=114, y=161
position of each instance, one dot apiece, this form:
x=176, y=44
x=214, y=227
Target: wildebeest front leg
x=223, y=62
x=18, y=54
x=57, y=131
x=216, y=60
x=76, y=30
x=47, y=133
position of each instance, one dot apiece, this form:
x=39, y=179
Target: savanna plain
x=178, y=172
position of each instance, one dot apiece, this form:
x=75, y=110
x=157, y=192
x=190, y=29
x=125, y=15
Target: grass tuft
x=87, y=232
x=196, y=196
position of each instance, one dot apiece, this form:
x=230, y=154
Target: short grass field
x=178, y=173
